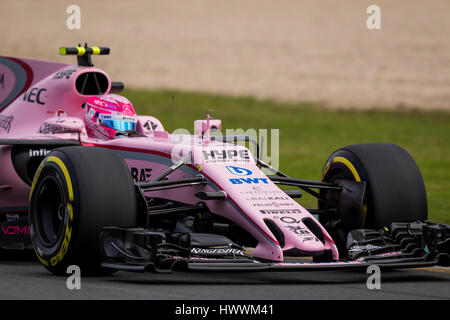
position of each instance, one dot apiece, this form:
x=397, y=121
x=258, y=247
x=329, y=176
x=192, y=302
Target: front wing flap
x=404, y=245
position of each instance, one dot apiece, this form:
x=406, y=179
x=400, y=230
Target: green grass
x=309, y=133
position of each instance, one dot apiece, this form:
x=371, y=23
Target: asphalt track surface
x=27, y=279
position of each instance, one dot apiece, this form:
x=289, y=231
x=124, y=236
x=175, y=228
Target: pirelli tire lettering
x=75, y=193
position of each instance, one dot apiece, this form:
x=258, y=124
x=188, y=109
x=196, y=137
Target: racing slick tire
x=395, y=191
x=77, y=191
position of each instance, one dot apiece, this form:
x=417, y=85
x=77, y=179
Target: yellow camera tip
x=81, y=51
x=62, y=51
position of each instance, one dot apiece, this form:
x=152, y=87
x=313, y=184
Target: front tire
x=395, y=191
x=76, y=192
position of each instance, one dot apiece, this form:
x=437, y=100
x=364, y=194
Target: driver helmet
x=106, y=115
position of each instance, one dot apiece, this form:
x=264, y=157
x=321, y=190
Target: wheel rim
x=341, y=173
x=51, y=211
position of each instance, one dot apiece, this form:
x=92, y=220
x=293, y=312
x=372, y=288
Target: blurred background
x=309, y=68
x=288, y=50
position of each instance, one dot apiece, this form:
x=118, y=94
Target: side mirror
x=202, y=126
x=116, y=87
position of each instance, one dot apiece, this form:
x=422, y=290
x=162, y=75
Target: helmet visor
x=119, y=123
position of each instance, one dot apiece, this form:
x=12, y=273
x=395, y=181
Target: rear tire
x=395, y=191
x=75, y=193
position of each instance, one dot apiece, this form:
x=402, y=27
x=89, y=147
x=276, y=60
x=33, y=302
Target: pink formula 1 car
x=86, y=181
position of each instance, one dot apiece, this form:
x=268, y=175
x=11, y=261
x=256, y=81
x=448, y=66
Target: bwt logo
x=249, y=180
x=239, y=171
x=15, y=230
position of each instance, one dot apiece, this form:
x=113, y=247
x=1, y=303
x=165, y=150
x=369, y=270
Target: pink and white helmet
x=106, y=115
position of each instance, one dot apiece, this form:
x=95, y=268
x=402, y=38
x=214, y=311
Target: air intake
x=314, y=228
x=276, y=231
x=92, y=83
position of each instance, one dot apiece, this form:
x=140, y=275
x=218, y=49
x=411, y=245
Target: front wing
x=403, y=245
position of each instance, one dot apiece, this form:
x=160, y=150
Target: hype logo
x=237, y=171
